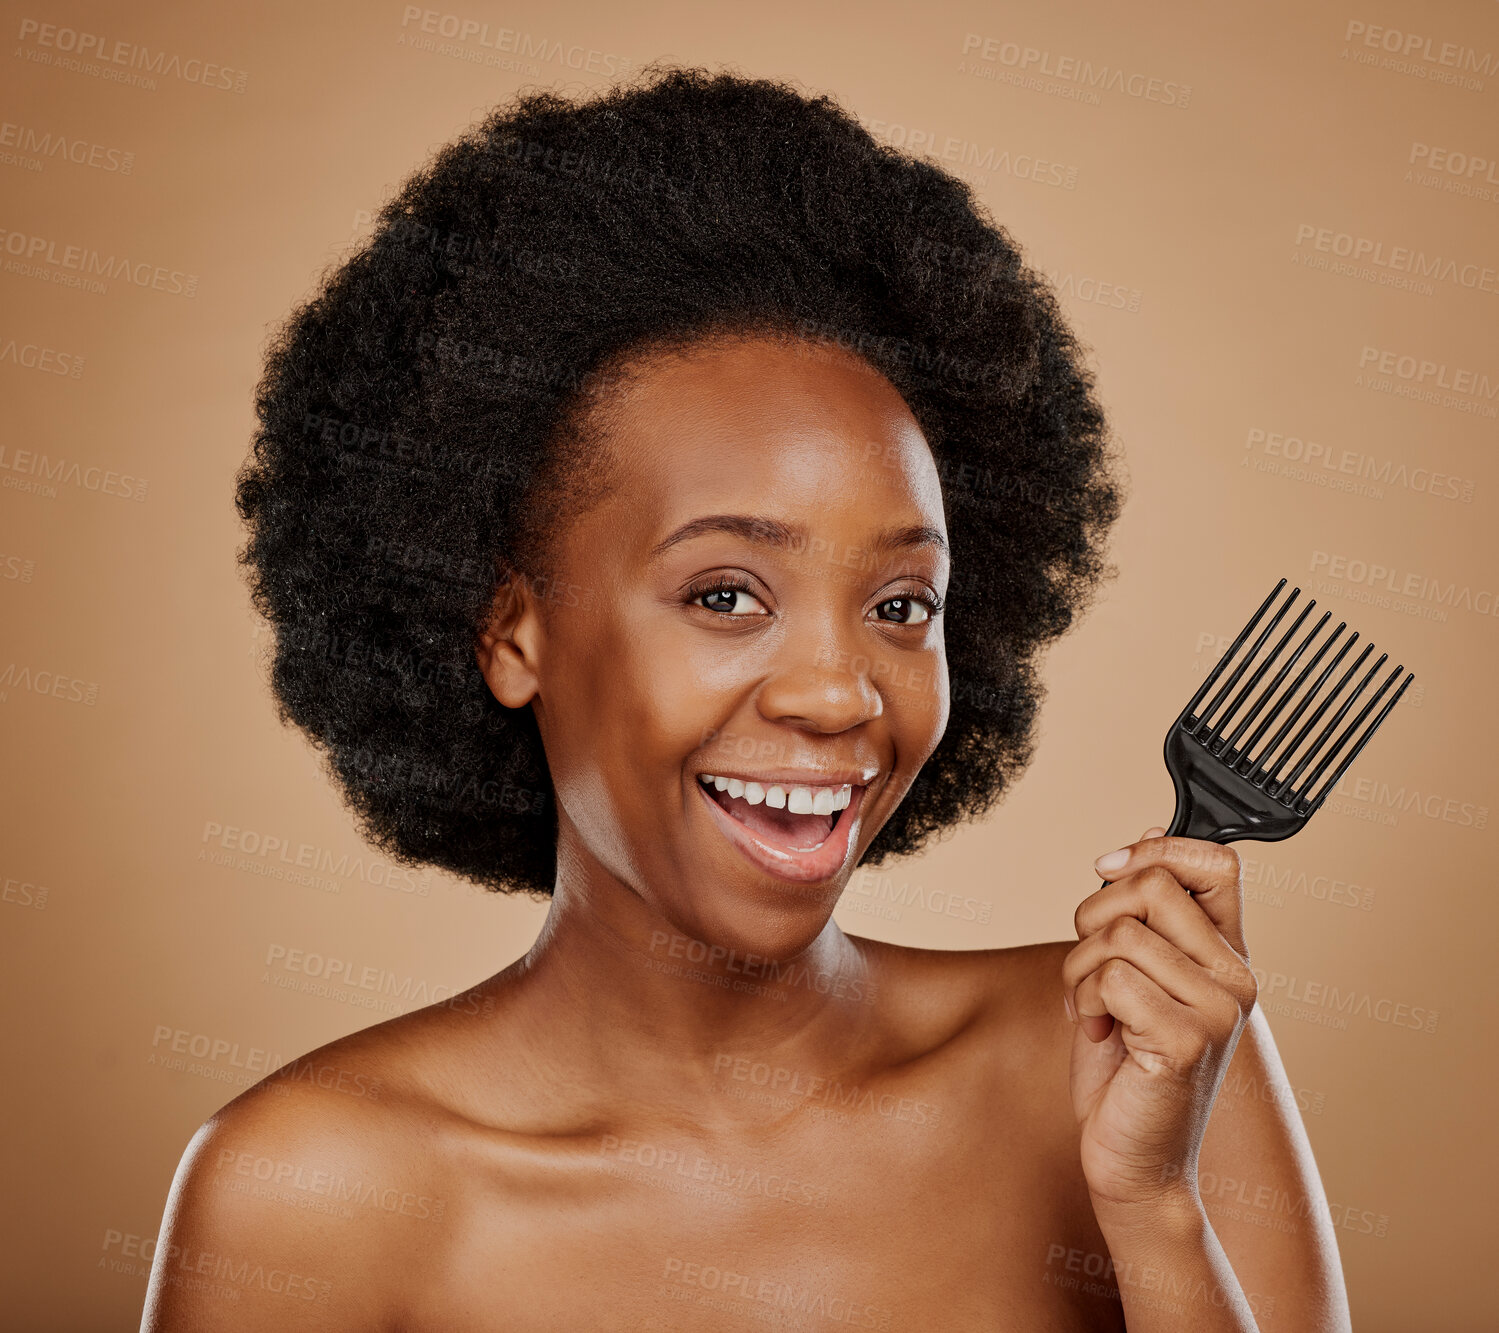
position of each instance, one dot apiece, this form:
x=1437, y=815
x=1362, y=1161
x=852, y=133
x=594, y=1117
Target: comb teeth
x=1266, y=766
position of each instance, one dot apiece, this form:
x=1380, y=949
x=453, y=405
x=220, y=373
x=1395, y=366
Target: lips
x=777, y=825
x=777, y=853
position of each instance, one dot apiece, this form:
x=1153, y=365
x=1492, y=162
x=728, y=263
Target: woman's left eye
x=908, y=606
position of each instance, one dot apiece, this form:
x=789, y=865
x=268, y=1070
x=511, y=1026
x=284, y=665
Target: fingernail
x=1067, y=1005
x=1113, y=860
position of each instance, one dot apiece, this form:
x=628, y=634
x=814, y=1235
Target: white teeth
x=799, y=800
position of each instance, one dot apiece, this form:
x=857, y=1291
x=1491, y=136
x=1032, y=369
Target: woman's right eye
x=726, y=596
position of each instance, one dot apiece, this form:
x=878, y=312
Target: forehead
x=810, y=433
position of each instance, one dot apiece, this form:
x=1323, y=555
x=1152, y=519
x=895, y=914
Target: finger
x=1201, y=866
x=1155, y=897
x=1154, y=831
x=1220, y=1000
x=1210, y=872
x=1155, y=1027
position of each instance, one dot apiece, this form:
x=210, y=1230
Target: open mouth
x=781, y=826
x=801, y=834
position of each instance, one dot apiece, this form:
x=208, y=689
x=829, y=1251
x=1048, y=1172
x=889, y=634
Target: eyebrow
x=772, y=532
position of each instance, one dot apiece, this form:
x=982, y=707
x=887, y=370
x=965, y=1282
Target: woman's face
x=751, y=601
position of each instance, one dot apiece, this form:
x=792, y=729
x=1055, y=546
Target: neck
x=648, y=1003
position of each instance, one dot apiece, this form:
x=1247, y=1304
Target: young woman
x=664, y=512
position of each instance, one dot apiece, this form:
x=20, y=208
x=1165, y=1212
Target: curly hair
x=430, y=419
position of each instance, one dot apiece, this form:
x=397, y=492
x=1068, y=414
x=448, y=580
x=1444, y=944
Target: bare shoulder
x=292, y=1202
x=974, y=982
x=1007, y=1002
x=1003, y=1069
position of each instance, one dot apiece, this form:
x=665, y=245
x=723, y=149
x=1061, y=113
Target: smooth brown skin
x=503, y=1160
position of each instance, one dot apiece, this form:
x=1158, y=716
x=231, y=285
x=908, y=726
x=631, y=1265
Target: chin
x=775, y=924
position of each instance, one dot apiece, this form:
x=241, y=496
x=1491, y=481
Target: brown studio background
x=1194, y=236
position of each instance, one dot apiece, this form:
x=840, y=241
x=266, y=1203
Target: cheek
x=664, y=710
x=632, y=712
x=918, y=699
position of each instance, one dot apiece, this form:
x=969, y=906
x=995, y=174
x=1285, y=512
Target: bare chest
x=894, y=1216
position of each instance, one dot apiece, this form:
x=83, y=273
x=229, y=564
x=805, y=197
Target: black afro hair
x=422, y=427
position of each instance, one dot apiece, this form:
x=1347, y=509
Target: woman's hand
x=1160, y=987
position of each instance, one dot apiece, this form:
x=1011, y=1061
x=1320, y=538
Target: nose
x=821, y=688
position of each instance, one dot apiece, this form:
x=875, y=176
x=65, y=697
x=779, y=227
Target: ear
x=508, y=646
